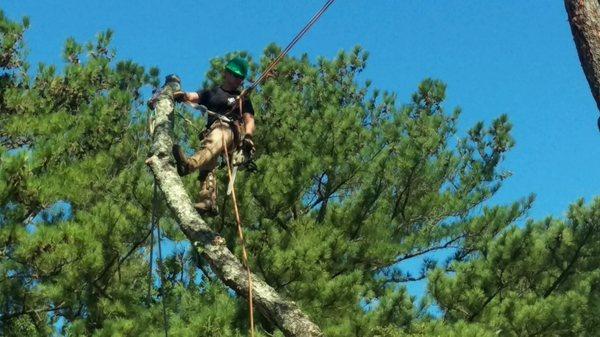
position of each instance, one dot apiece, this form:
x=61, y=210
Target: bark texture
x=284, y=313
x=584, y=17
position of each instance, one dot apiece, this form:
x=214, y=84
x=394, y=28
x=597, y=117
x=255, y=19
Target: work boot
x=207, y=198
x=181, y=160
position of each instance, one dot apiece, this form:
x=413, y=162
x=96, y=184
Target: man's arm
x=192, y=97
x=249, y=123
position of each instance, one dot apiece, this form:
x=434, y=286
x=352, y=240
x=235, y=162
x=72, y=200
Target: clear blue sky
x=513, y=57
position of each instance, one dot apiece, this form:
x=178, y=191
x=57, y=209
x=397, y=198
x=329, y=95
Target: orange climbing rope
x=239, y=101
x=240, y=235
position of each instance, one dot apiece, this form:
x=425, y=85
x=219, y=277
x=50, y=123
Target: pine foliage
x=351, y=186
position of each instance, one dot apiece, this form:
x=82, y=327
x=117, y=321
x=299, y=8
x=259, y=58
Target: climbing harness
x=239, y=158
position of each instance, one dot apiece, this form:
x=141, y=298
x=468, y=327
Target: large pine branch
x=284, y=313
x=584, y=17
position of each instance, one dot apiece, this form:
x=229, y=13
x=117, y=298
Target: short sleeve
x=205, y=96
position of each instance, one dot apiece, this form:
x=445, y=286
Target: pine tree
x=74, y=143
x=351, y=184
x=539, y=280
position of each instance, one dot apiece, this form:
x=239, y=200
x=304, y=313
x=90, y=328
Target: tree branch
x=565, y=273
x=584, y=18
x=7, y=316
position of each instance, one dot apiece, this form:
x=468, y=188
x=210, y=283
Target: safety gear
x=238, y=67
x=238, y=158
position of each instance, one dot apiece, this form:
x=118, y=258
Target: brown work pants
x=205, y=160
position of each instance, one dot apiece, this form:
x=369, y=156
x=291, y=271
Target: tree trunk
x=284, y=313
x=584, y=17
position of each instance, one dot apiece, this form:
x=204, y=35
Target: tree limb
x=584, y=18
x=566, y=272
x=7, y=316
x=284, y=313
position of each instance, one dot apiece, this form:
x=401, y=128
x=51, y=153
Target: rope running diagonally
x=289, y=47
x=283, y=53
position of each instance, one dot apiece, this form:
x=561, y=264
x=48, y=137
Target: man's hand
x=180, y=96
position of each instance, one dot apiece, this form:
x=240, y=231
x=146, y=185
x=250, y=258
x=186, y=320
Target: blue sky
x=512, y=57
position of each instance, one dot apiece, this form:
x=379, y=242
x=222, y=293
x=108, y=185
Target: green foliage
x=540, y=280
x=351, y=185
x=11, y=41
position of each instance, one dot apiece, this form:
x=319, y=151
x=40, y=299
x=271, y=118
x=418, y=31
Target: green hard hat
x=238, y=66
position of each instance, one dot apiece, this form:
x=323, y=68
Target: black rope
x=150, y=263
x=156, y=224
x=289, y=47
x=162, y=281
x=284, y=52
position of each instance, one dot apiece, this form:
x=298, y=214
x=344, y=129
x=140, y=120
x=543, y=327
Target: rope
x=156, y=224
x=289, y=47
x=162, y=281
x=190, y=123
x=150, y=263
x=240, y=234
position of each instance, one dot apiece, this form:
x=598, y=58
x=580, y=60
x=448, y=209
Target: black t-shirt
x=221, y=101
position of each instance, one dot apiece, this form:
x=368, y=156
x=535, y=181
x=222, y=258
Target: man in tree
x=224, y=101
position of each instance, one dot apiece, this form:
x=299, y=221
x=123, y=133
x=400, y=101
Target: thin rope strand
x=162, y=281
x=240, y=235
x=156, y=224
x=150, y=263
x=287, y=49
